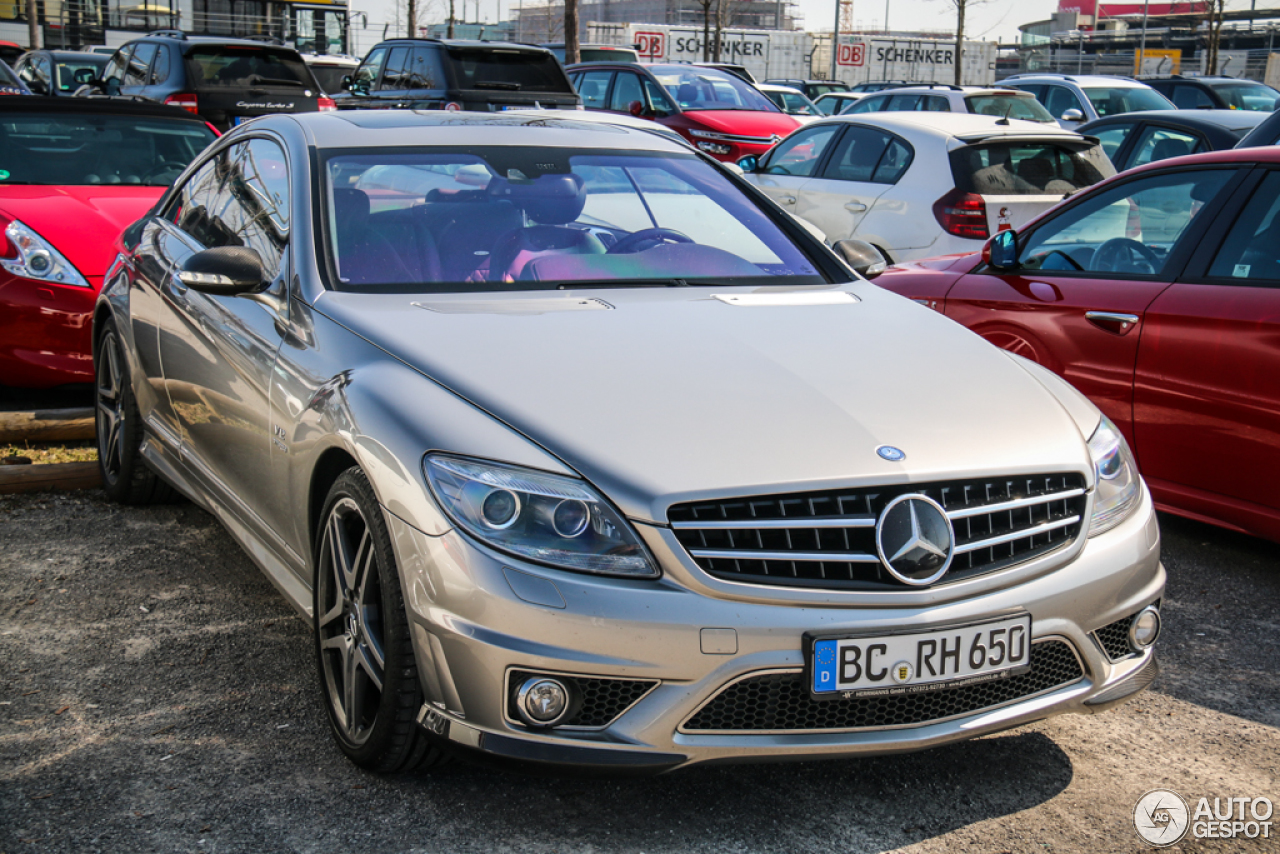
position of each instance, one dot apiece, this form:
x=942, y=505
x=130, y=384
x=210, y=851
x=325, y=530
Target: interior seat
x=365, y=257
x=552, y=202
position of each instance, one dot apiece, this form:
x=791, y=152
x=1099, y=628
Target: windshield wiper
x=495, y=84
x=624, y=283
x=274, y=81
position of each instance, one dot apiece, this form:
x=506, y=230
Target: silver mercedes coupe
x=575, y=449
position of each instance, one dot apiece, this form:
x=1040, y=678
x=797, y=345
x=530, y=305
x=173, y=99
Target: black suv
x=225, y=81
x=1215, y=93
x=438, y=74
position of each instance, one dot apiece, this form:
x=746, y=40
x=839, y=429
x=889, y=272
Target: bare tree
x=33, y=26
x=1216, y=8
x=961, y=7
x=570, y=31
x=723, y=13
x=706, y=28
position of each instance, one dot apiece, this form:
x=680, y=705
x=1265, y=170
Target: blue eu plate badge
x=824, y=666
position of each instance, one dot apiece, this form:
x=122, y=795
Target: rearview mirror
x=84, y=75
x=224, y=271
x=862, y=257
x=1073, y=115
x=1001, y=252
x=748, y=163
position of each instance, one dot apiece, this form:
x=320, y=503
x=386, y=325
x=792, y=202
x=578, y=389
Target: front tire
x=368, y=677
x=126, y=479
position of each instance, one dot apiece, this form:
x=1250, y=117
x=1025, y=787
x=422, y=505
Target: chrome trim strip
x=804, y=557
x=1114, y=317
x=773, y=524
x=1016, y=535
x=1084, y=675
x=1016, y=504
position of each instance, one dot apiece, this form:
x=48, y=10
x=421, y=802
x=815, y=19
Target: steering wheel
x=647, y=238
x=1124, y=255
x=157, y=172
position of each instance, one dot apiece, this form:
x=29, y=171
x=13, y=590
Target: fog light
x=1145, y=628
x=542, y=701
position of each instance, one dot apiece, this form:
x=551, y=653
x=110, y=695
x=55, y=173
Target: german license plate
x=916, y=662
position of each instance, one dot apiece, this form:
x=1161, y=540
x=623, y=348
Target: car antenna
x=1004, y=120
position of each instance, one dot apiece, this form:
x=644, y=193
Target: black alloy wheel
x=126, y=479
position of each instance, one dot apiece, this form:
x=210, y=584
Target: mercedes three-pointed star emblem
x=915, y=540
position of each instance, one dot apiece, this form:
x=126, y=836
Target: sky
x=993, y=20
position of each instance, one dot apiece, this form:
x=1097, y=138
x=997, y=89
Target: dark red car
x=1157, y=294
x=718, y=112
x=73, y=174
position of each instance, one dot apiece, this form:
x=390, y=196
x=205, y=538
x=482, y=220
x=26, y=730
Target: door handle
x=1111, y=321
x=788, y=200
x=855, y=207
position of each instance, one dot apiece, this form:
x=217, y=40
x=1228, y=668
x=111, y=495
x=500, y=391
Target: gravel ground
x=156, y=694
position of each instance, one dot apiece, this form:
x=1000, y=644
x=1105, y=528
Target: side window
x=139, y=64
x=858, y=155
x=594, y=89
x=935, y=104
x=799, y=153
x=395, y=76
x=870, y=104
x=1251, y=251
x=1158, y=143
x=626, y=89
x=1112, y=137
x=115, y=67
x=658, y=99
x=1191, y=98
x=160, y=68
x=193, y=203
x=1059, y=99
x=903, y=103
x=1129, y=230
x=425, y=71
x=894, y=163
x=36, y=75
x=367, y=74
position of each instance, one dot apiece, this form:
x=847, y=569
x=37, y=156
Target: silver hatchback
x=575, y=449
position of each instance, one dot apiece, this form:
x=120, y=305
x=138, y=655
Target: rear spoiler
x=1075, y=139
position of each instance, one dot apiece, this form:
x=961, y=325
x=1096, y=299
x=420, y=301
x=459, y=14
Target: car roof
x=70, y=54
x=777, y=87
x=1079, y=79
x=467, y=43
x=1228, y=119
x=391, y=128
x=95, y=106
x=951, y=124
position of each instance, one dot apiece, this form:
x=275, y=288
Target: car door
x=593, y=87
x=138, y=70
x=839, y=199
x=114, y=71
x=1112, y=138
x=218, y=352
x=1159, y=142
x=393, y=88
x=1207, y=387
x=1086, y=276
x=789, y=165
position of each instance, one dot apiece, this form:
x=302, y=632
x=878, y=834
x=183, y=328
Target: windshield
x=67, y=149
x=1020, y=168
x=74, y=73
x=696, y=88
x=1247, y=96
x=1110, y=100
x=508, y=70
x=329, y=77
x=532, y=219
x=237, y=67
x=1010, y=106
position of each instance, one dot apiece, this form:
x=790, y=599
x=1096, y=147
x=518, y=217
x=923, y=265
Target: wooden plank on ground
x=49, y=476
x=49, y=425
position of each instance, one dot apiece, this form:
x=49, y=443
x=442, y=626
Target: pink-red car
x=1157, y=294
x=73, y=174
x=717, y=112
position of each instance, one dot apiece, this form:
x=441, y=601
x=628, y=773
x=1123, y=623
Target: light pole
x=1142, y=50
x=835, y=40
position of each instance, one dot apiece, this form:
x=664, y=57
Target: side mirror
x=1073, y=115
x=636, y=108
x=224, y=271
x=749, y=163
x=864, y=258
x=346, y=82
x=1001, y=252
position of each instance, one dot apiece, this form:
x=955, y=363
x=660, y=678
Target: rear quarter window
x=509, y=71
x=1028, y=168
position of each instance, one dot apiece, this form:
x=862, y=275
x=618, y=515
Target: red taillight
x=185, y=100
x=326, y=105
x=962, y=214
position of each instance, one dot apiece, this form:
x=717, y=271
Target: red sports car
x=73, y=174
x=718, y=112
x=1157, y=294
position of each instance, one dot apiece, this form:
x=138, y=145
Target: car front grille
x=602, y=699
x=781, y=702
x=827, y=539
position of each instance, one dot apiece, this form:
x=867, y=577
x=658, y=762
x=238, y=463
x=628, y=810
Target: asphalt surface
x=156, y=694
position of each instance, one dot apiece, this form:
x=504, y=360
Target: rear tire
x=364, y=654
x=126, y=479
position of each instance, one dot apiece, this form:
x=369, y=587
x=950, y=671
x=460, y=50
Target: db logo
x=851, y=54
x=651, y=45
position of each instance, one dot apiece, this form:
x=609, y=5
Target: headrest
x=350, y=210
x=1166, y=148
x=547, y=200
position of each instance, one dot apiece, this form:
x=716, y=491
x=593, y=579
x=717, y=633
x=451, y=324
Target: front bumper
x=477, y=616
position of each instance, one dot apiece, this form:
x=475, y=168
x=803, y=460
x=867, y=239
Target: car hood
x=745, y=122
x=664, y=395
x=82, y=222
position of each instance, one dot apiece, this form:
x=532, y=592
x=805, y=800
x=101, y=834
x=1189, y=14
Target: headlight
x=37, y=259
x=559, y=521
x=1117, y=482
